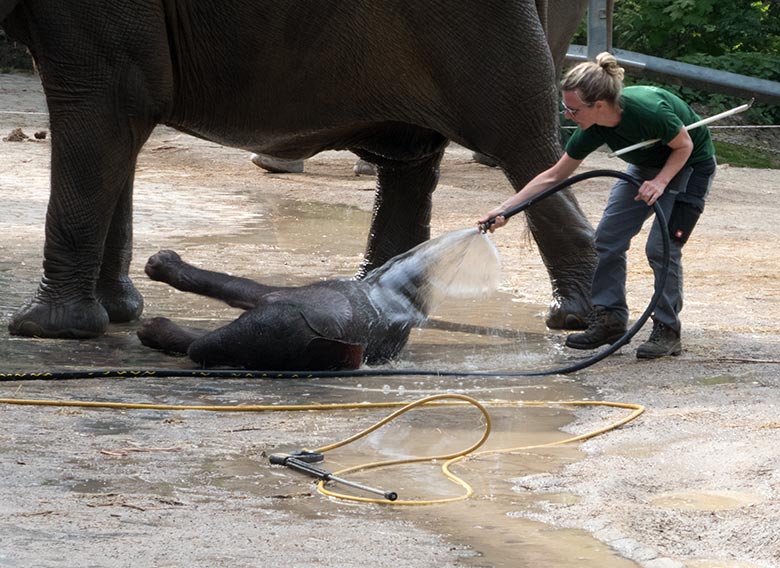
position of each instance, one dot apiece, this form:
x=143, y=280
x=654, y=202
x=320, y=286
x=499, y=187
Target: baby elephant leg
x=167, y=266
x=248, y=342
x=283, y=343
x=163, y=334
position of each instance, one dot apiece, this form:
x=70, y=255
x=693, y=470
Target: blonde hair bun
x=609, y=64
x=596, y=80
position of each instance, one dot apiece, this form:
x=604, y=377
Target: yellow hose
x=446, y=399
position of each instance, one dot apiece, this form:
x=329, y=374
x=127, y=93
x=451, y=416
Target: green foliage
x=675, y=28
x=744, y=157
x=739, y=36
x=758, y=65
x=754, y=64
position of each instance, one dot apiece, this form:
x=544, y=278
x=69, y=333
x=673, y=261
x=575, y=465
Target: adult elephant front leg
x=92, y=164
x=402, y=210
x=565, y=241
x=564, y=237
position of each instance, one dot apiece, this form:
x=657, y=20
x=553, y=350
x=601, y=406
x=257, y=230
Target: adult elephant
x=393, y=81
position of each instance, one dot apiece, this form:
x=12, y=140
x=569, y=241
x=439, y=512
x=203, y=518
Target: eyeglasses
x=572, y=111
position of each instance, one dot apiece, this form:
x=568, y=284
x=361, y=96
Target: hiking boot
x=663, y=341
x=604, y=326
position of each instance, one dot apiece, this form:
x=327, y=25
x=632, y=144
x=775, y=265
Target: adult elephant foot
x=121, y=300
x=565, y=239
x=76, y=320
x=277, y=165
x=571, y=297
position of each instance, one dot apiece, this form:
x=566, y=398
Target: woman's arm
x=562, y=169
x=682, y=147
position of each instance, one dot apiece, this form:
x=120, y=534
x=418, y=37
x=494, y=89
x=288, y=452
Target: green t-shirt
x=648, y=113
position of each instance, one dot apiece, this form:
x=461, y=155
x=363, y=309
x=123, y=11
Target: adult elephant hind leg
x=562, y=233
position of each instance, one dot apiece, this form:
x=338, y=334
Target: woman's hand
x=498, y=221
x=562, y=169
x=681, y=146
x=650, y=191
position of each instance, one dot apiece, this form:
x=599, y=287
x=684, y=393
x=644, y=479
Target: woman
x=676, y=172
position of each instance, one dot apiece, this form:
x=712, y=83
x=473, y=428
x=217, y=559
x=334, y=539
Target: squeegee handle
x=702, y=122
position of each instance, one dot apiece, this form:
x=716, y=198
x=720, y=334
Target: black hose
x=252, y=374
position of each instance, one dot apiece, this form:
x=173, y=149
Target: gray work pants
x=623, y=219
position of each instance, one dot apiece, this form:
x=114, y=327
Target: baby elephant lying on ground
x=331, y=324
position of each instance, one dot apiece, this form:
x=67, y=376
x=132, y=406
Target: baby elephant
x=329, y=325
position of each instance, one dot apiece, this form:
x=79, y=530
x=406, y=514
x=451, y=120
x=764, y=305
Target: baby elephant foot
x=163, y=334
x=163, y=266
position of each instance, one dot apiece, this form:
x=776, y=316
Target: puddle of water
x=717, y=380
x=710, y=501
x=295, y=226
x=93, y=486
x=489, y=334
x=485, y=521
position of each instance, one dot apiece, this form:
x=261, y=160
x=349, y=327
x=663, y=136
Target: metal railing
x=599, y=26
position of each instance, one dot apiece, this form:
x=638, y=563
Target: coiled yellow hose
x=445, y=399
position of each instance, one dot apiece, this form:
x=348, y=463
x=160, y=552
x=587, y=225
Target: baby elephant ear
x=333, y=355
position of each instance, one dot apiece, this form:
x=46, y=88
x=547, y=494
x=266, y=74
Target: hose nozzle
x=301, y=461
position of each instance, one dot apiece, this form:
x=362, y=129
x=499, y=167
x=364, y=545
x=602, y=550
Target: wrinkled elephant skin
x=392, y=81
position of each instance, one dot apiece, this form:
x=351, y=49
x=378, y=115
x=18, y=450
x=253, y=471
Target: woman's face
x=574, y=109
